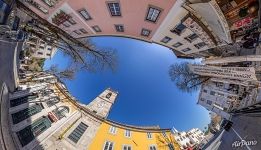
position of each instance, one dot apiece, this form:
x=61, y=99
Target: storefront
x=241, y=15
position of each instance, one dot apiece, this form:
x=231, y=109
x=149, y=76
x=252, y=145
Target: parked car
x=226, y=124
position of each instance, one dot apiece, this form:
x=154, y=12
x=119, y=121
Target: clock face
x=100, y=104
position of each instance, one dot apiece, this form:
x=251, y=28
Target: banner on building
x=239, y=73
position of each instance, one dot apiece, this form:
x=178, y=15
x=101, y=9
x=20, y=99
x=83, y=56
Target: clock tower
x=102, y=104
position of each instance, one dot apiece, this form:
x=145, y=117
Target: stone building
x=43, y=115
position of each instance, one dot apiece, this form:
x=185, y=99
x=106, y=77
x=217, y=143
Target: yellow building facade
x=115, y=136
x=46, y=116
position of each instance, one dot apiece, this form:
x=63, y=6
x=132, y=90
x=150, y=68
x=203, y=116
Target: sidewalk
x=6, y=140
x=9, y=57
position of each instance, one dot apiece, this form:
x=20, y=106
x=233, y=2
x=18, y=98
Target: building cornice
x=107, y=121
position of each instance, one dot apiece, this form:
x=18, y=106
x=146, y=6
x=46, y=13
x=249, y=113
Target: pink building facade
x=165, y=23
x=137, y=19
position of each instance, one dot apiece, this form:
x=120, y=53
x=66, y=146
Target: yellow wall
x=137, y=141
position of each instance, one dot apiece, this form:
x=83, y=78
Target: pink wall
x=133, y=15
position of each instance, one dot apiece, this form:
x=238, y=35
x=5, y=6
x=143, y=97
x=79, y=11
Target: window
x=186, y=50
x=126, y=147
x=212, y=93
x=26, y=113
x=23, y=100
x=71, y=21
x=66, y=24
x=85, y=14
x=28, y=134
x=52, y=101
x=219, y=84
x=77, y=32
x=48, y=54
x=119, y=28
x=220, y=94
x=178, y=44
x=83, y=31
x=200, y=45
x=108, y=145
x=38, y=6
x=164, y=134
x=153, y=14
x=40, y=53
x=50, y=3
x=113, y=130
x=145, y=32
x=171, y=147
x=33, y=46
x=108, y=95
x=96, y=28
x=78, y=132
x=209, y=102
x=225, y=109
x=47, y=92
x=205, y=91
x=61, y=112
x=149, y=136
x=153, y=147
x=115, y=9
x=178, y=29
x=127, y=133
x=191, y=37
x=166, y=39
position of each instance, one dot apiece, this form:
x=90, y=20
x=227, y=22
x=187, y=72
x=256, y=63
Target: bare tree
x=68, y=73
x=84, y=55
x=184, y=79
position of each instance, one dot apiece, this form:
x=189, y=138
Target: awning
x=215, y=18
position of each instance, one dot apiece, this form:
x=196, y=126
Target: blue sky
x=146, y=94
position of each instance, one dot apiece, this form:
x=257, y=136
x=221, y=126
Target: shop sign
x=242, y=23
x=239, y=73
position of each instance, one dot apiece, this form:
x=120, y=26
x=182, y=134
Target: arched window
x=52, y=101
x=108, y=95
x=47, y=92
x=61, y=112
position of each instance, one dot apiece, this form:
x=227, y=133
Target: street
x=245, y=127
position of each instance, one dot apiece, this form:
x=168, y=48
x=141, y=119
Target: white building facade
x=43, y=115
x=222, y=96
x=188, y=139
x=196, y=136
x=39, y=48
x=185, y=31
